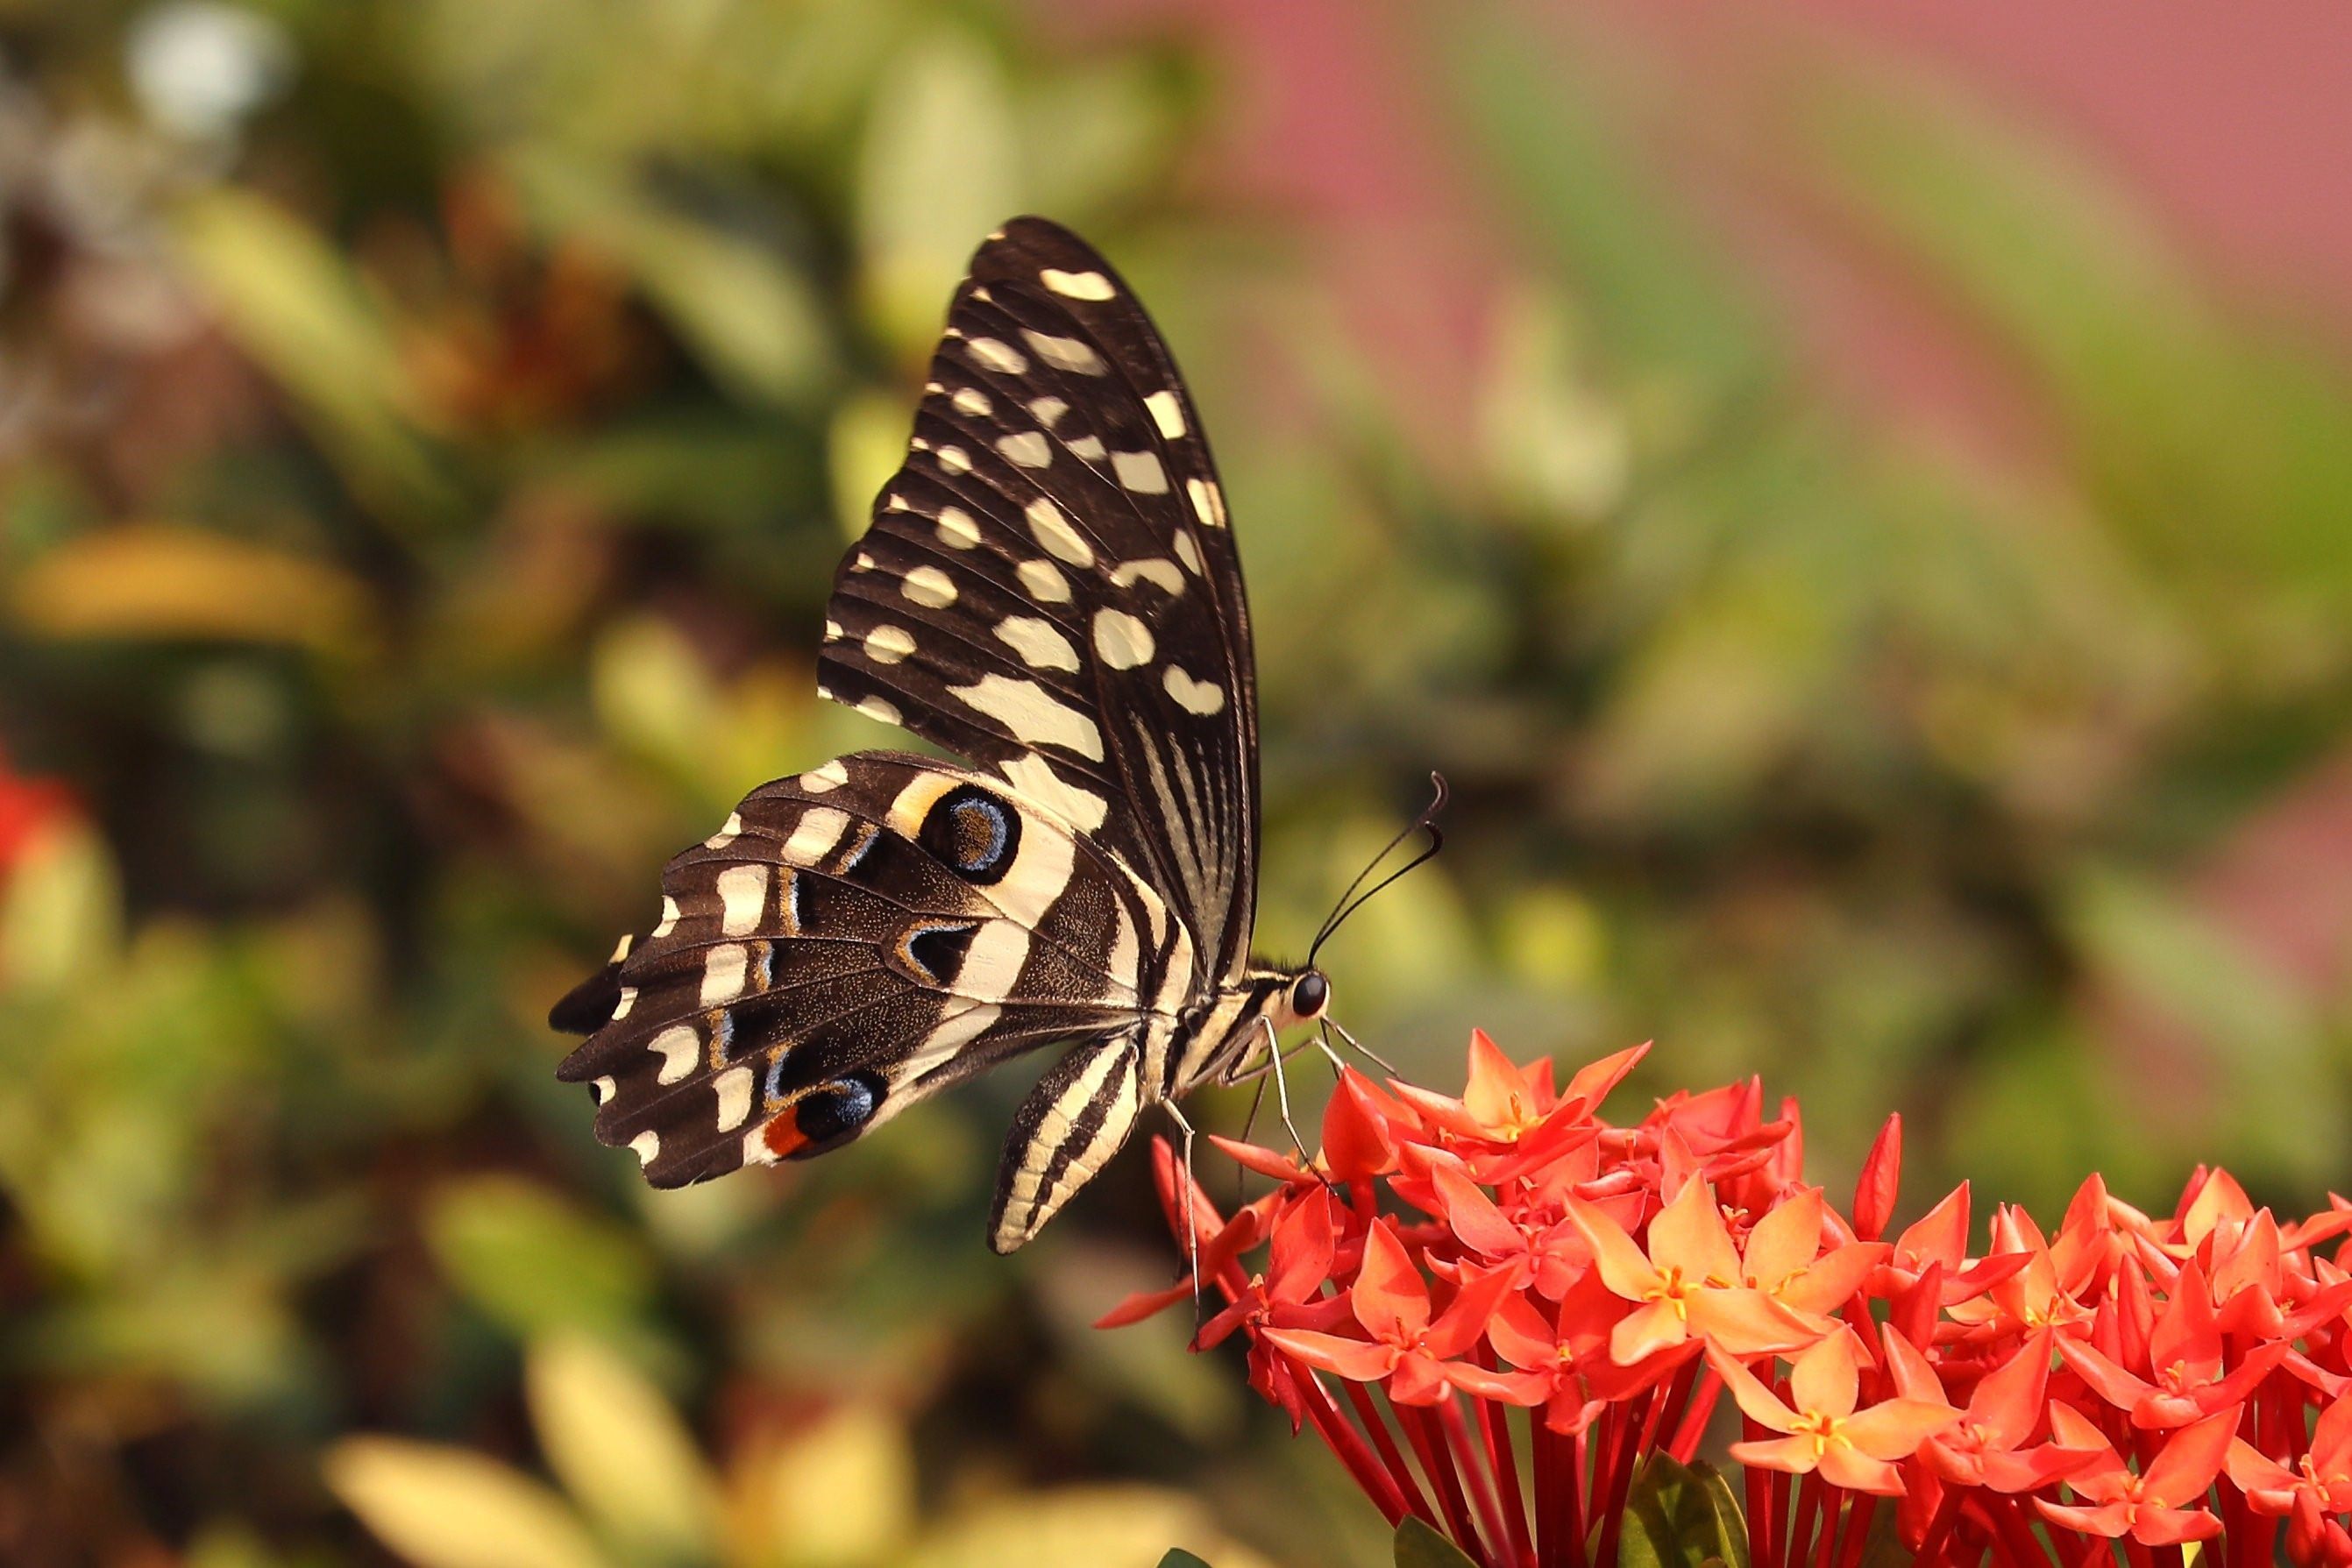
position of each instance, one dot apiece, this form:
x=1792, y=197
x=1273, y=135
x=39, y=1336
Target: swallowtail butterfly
x=1049, y=589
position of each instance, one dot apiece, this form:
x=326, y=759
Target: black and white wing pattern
x=849, y=941
x=1049, y=587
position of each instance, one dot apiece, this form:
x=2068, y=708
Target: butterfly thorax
x=1224, y=1036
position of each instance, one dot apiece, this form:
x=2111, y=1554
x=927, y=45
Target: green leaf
x=536, y=1263
x=619, y=1448
x=1682, y=1516
x=445, y=1507
x=1419, y=1546
x=1178, y=1558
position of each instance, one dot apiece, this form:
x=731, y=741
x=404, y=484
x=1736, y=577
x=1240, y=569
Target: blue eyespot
x=972, y=833
x=839, y=1107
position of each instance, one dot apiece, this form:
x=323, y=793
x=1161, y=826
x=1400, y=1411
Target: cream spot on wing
x=1054, y=531
x=1066, y=353
x=992, y=965
x=1046, y=410
x=1033, y=715
x=646, y=1145
x=1203, y=697
x=972, y=401
x=1090, y=447
x=621, y=1008
x=727, y=832
x=832, y=632
x=1140, y=472
x=1029, y=448
x=888, y=644
x=861, y=561
x=1188, y=550
x=1034, y=779
x=958, y=530
x=725, y=968
x=814, y=835
x=734, y=1087
x=621, y=949
x=669, y=917
x=957, y=1029
x=1075, y=285
x=1167, y=413
x=1040, y=644
x=1044, y=583
x=992, y=353
x=1208, y=503
x=955, y=460
x=876, y=709
x=895, y=502
x=1121, y=641
x=930, y=587
x=1160, y=573
x=820, y=780
x=679, y=1048
x=604, y=1089
x=743, y=898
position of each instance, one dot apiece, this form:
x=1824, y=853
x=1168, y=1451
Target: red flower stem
x=1482, y=1479
x=1758, y=1482
x=2139, y=1554
x=1620, y=1477
x=1673, y=1399
x=2006, y=1520
x=1800, y=1523
x=1347, y=1444
x=1695, y=1417
x=1419, y=1429
x=1494, y=1427
x=1854, y=1534
x=1582, y=1444
x=1560, y=1520
x=1399, y=1473
x=1930, y=1553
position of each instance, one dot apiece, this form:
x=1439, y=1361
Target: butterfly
x=1049, y=589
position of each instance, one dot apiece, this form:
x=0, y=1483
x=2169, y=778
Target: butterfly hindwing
x=851, y=940
x=1050, y=588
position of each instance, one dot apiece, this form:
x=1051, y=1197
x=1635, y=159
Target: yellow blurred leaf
x=868, y=440
x=1080, y=1527
x=834, y=1494
x=165, y=579
x=940, y=169
x=618, y=1448
x=652, y=693
x=60, y=911
x=445, y=1507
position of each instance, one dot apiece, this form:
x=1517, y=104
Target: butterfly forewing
x=1049, y=587
x=849, y=941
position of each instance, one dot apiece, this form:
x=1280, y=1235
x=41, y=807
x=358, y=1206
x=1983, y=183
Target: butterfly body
x=1049, y=589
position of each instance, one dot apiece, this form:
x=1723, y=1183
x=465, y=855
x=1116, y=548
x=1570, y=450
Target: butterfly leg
x=1192, y=1229
x=1366, y=1051
x=1066, y=1131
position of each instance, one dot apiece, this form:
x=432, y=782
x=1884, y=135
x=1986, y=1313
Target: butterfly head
x=1309, y=993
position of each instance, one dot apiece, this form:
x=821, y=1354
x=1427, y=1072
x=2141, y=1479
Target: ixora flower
x=1513, y=1320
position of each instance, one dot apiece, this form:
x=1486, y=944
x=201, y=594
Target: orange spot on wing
x=783, y=1135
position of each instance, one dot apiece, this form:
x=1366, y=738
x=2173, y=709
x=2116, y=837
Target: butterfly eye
x=1310, y=994
x=842, y=1106
x=974, y=833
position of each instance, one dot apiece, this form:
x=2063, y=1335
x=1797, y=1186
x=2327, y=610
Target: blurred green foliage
x=430, y=429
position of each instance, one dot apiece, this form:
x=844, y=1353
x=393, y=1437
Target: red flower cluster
x=2127, y=1384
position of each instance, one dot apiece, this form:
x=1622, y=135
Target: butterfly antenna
x=1350, y=901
